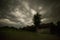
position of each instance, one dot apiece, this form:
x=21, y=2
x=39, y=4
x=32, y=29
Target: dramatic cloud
x=20, y=13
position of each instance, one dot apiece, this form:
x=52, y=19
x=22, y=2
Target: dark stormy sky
x=20, y=13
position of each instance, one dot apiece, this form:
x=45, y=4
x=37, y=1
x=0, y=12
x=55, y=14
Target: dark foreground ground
x=10, y=34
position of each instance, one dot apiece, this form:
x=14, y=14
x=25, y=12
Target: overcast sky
x=20, y=13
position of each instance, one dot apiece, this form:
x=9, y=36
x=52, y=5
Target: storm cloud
x=20, y=13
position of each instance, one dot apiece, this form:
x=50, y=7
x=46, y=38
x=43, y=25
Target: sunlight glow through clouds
x=33, y=11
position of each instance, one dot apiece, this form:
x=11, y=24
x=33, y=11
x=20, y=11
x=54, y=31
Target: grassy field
x=10, y=34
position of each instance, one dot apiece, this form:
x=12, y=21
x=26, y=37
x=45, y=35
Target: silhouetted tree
x=58, y=28
x=37, y=20
x=52, y=28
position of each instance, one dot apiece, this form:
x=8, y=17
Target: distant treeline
x=54, y=29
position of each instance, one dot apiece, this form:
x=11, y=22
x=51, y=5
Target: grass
x=11, y=34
